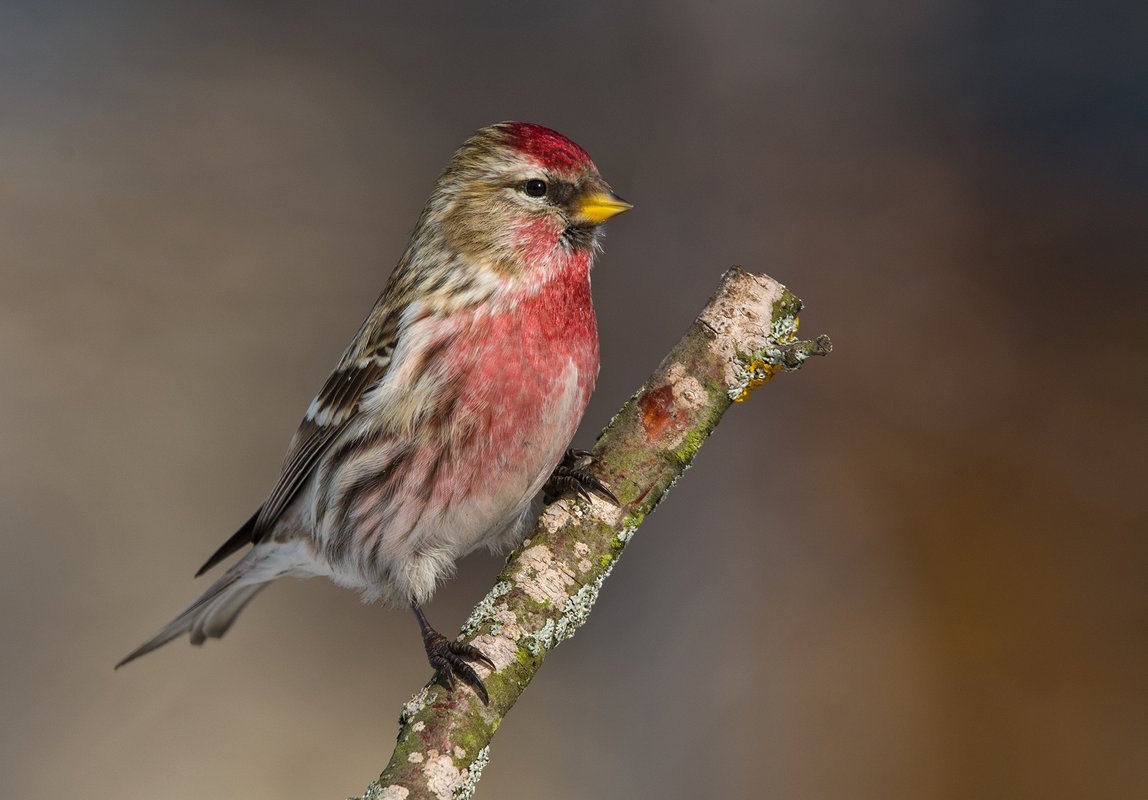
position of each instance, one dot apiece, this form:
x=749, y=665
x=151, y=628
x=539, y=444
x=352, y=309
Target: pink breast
x=528, y=384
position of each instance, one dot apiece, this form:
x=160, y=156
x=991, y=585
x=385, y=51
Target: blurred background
x=917, y=569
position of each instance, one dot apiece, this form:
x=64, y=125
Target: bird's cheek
x=537, y=237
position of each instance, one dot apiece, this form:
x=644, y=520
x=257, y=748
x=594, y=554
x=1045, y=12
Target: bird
x=452, y=410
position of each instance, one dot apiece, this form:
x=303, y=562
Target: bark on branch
x=744, y=335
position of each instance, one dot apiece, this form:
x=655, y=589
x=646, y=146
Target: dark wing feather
x=334, y=408
x=361, y=367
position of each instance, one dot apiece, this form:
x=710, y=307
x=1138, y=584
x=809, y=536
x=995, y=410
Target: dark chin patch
x=581, y=237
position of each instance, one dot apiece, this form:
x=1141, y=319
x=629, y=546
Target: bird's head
x=517, y=194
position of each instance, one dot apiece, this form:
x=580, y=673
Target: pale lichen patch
x=541, y=577
x=484, y=611
x=578, y=607
x=501, y=649
x=784, y=328
x=575, y=611
x=472, y=774
x=582, y=550
x=540, y=640
x=415, y=757
x=501, y=643
x=377, y=792
x=627, y=533
x=413, y=706
x=441, y=775
x=605, y=510
x=751, y=376
x=553, y=517
x=444, y=779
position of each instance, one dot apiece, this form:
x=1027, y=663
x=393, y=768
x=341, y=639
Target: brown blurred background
x=916, y=570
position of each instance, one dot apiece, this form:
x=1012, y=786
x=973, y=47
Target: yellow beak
x=597, y=207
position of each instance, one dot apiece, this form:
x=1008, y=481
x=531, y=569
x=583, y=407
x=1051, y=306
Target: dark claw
x=449, y=658
x=469, y=651
x=573, y=475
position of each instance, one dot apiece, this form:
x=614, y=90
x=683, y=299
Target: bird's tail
x=213, y=613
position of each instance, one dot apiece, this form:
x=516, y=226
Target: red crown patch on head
x=552, y=149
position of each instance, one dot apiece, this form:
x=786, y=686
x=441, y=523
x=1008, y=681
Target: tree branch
x=744, y=335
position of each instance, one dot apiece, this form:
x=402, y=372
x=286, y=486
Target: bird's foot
x=450, y=659
x=573, y=475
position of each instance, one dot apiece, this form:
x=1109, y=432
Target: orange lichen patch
x=759, y=373
x=656, y=407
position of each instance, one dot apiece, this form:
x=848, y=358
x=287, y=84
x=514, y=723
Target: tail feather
x=217, y=618
x=214, y=612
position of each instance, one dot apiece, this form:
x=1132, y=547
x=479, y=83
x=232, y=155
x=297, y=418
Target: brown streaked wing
x=335, y=407
x=362, y=366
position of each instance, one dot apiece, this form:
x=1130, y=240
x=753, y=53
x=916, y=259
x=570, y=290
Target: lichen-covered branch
x=744, y=336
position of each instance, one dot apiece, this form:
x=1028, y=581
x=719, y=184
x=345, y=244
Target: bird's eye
x=535, y=187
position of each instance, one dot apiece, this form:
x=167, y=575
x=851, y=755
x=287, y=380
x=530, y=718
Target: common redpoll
x=453, y=405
